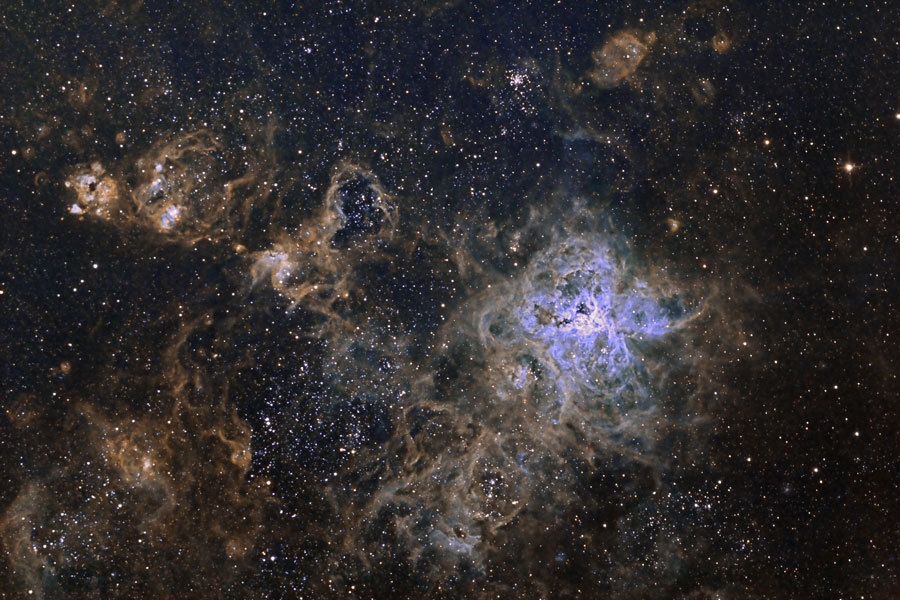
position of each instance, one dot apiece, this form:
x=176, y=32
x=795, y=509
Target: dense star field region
x=445, y=299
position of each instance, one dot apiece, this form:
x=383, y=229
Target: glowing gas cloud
x=553, y=368
x=582, y=317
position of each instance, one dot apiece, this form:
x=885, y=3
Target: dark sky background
x=449, y=300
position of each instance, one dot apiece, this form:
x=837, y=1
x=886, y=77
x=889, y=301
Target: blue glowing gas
x=583, y=314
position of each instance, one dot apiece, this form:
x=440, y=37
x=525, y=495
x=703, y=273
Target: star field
x=449, y=300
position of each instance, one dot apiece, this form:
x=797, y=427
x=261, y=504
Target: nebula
x=555, y=368
x=448, y=300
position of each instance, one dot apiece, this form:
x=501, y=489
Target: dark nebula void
x=449, y=300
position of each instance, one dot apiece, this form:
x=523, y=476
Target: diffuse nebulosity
x=447, y=300
x=307, y=426
x=437, y=460
x=549, y=369
x=164, y=494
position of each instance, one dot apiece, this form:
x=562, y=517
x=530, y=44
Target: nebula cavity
x=313, y=265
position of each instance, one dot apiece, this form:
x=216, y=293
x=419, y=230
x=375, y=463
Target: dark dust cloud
x=449, y=300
